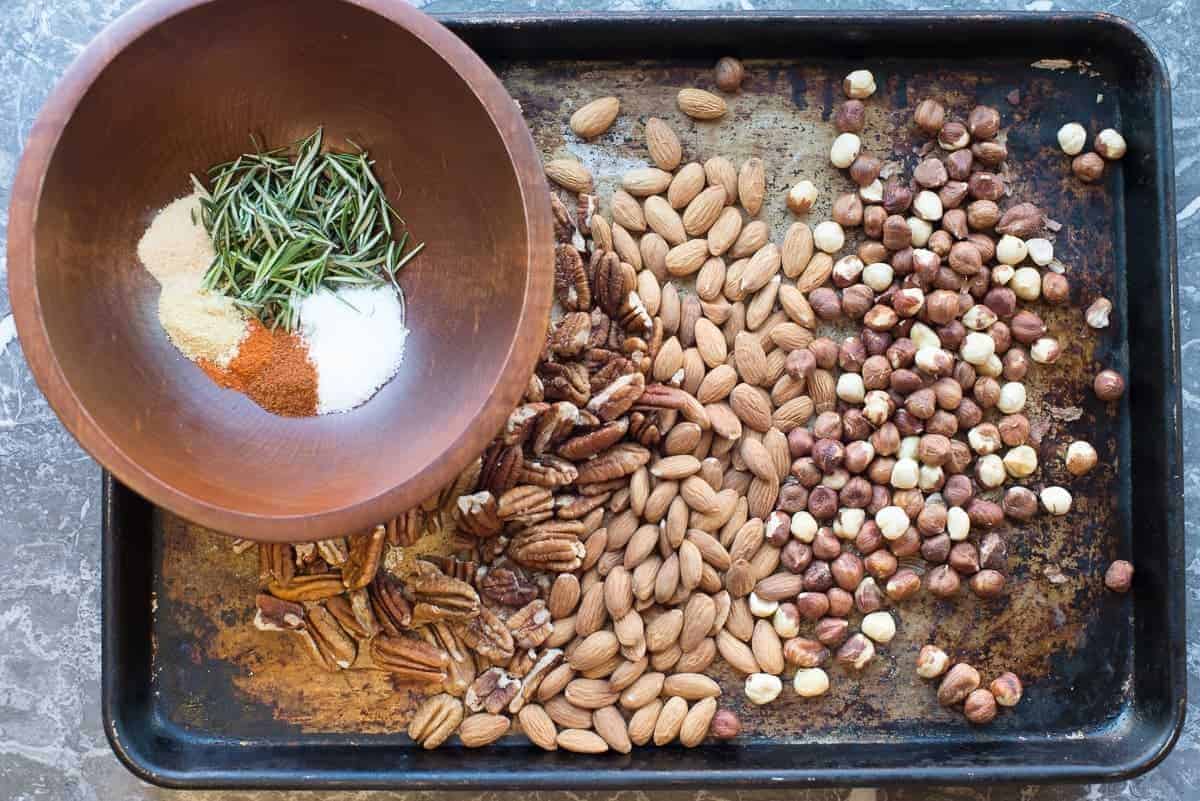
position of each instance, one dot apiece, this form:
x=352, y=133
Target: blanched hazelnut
x=1097, y=314
x=828, y=236
x=1041, y=251
x=859, y=84
x=801, y=197
x=927, y=205
x=786, y=621
x=879, y=626
x=762, y=688
x=845, y=150
x=920, y=230
x=990, y=471
x=871, y=193
x=958, y=524
x=1021, y=461
x=1056, y=500
x=1110, y=144
x=1011, y=250
x=1071, y=138
x=1045, y=350
x=1026, y=283
x=1012, y=397
x=810, y=682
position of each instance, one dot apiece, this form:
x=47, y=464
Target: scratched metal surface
x=1071, y=641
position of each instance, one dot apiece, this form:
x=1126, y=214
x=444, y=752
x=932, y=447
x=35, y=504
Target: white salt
x=355, y=340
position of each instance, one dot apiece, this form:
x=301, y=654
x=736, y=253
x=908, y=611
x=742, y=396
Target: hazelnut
x=1119, y=576
x=986, y=392
x=806, y=473
x=968, y=413
x=865, y=170
x=990, y=471
x=953, y=136
x=964, y=258
x=896, y=197
x=964, y=558
x=817, y=578
x=1056, y=289
x=1081, y=458
x=725, y=725
x=932, y=519
x=908, y=545
x=1027, y=327
x=987, y=583
x=993, y=553
x=795, y=557
x=942, y=581
x=859, y=84
x=840, y=602
x=873, y=219
x=1006, y=688
x=930, y=173
x=984, y=514
x=927, y=206
x=762, y=688
x=827, y=425
x=786, y=620
x=989, y=154
x=848, y=211
x=934, y=449
x=858, y=455
x=822, y=502
x=1002, y=302
x=901, y=353
x=802, y=652
x=1022, y=220
x=857, y=300
x=902, y=260
x=804, y=526
x=958, y=524
x=828, y=454
x=980, y=707
x=936, y=549
x=800, y=441
x=868, y=597
x=881, y=563
x=896, y=233
x=831, y=631
x=1088, y=167
x=1001, y=335
x=983, y=122
x=847, y=569
x=1056, y=500
x=793, y=497
x=921, y=228
x=1110, y=144
x=954, y=223
x=800, y=364
x=982, y=215
x=929, y=116
x=829, y=237
x=952, y=195
x=729, y=74
x=959, y=164
x=1045, y=350
x=986, y=186
x=886, y=440
x=983, y=243
x=1108, y=385
x=845, y=150
x=879, y=626
x=869, y=539
x=856, y=652
x=958, y=490
x=872, y=192
x=1097, y=314
x=825, y=545
x=960, y=681
x=801, y=197
x=1071, y=138
x=826, y=303
x=903, y=584
x=931, y=662
x=1015, y=364
x=850, y=116
x=1014, y=429
x=855, y=425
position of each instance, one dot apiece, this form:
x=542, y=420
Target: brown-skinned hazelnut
x=902, y=585
x=850, y=117
x=940, y=242
x=942, y=422
x=958, y=165
x=993, y=553
x=897, y=198
x=953, y=136
x=896, y=233
x=1108, y=385
x=964, y=259
x=856, y=652
x=800, y=364
x=847, y=571
x=1014, y=429
x=1002, y=301
x=1088, y=167
x=812, y=606
x=964, y=558
x=825, y=545
x=929, y=116
x=1119, y=576
x=826, y=303
x=1001, y=335
x=936, y=549
x=827, y=425
x=841, y=603
x=954, y=222
x=908, y=424
x=868, y=597
x=725, y=725
x=954, y=193
x=858, y=456
x=959, y=682
x=825, y=350
x=948, y=393
x=958, y=490
x=987, y=583
x=817, y=578
x=984, y=514
x=968, y=413
x=982, y=215
x=986, y=186
x=1026, y=327
x=796, y=556
x=1056, y=289
x=941, y=306
x=865, y=169
x=986, y=392
x=847, y=210
x=980, y=707
x=942, y=581
x=905, y=381
x=831, y=631
x=806, y=474
x=793, y=497
x=960, y=457
x=908, y=544
x=932, y=519
x=729, y=74
x=800, y=441
x=880, y=563
x=869, y=250
x=989, y=154
x=822, y=502
x=1007, y=689
x=880, y=469
x=930, y=173
x=1022, y=220
x=983, y=122
x=828, y=454
x=802, y=652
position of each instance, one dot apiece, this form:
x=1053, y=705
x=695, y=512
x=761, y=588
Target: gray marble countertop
x=52, y=745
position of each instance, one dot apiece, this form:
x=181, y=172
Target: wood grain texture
x=177, y=85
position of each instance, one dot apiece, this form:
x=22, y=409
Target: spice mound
x=280, y=279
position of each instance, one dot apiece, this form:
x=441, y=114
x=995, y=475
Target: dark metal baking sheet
x=195, y=697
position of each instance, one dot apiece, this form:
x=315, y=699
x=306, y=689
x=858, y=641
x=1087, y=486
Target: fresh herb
x=287, y=221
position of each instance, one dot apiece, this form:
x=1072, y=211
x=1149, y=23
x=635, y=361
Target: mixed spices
x=279, y=279
x=732, y=448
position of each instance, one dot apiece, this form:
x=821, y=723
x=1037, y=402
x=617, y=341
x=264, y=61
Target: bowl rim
x=504, y=394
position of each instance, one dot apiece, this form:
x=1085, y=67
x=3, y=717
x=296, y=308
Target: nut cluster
x=732, y=447
x=1109, y=145
x=961, y=684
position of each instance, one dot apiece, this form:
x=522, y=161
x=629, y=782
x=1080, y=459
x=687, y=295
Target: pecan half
x=548, y=471
x=586, y=207
x=662, y=396
x=553, y=424
x=612, y=281
x=273, y=614
x=633, y=315
x=308, y=588
x=520, y=423
x=353, y=612
x=552, y=545
x=463, y=484
x=407, y=528
x=436, y=596
x=507, y=587
x=645, y=428
x=435, y=720
x=531, y=625
x=276, y=563
x=492, y=691
x=618, y=397
x=564, y=227
x=463, y=570
x=409, y=658
x=335, y=649
x=365, y=552
x=534, y=391
x=606, y=366
x=306, y=555
x=585, y=446
x=571, y=334
x=460, y=664
x=571, y=285
x=619, y=460
x=532, y=680
x=487, y=634
x=567, y=382
x=525, y=505
x=476, y=514
x=601, y=325
x=334, y=551
x=575, y=507
x=501, y=466
x=392, y=610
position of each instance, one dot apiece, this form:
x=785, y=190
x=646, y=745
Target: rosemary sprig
x=285, y=222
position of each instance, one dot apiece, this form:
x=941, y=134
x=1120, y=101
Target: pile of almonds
x=706, y=464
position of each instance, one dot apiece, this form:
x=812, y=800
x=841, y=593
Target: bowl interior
x=187, y=94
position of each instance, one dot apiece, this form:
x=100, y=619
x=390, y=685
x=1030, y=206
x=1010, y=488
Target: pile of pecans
x=707, y=464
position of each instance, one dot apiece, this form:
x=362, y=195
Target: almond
x=754, y=235
x=724, y=232
x=752, y=185
x=663, y=631
x=538, y=726
x=640, y=546
x=758, y=462
x=710, y=342
x=581, y=741
x=590, y=693
x=763, y=266
x=727, y=500
x=643, y=691
x=752, y=405
x=644, y=576
x=699, y=658
x=780, y=586
x=592, y=612
x=627, y=673
x=790, y=336
x=482, y=729
x=776, y=362
x=663, y=144
x=687, y=258
x=595, y=649
x=645, y=181
x=669, y=309
x=719, y=171
x=674, y=468
x=761, y=496
x=564, y=631
x=796, y=306
x=698, y=617
x=758, y=310
x=693, y=365
x=691, y=566
x=750, y=359
x=601, y=233
x=698, y=495
x=701, y=105
x=736, y=653
x=704, y=210
x=768, y=650
x=710, y=281
x=569, y=174
x=815, y=273
x=696, y=723
x=609, y=724
x=682, y=439
x=618, y=592
x=797, y=249
x=626, y=247
x=670, y=720
x=686, y=184
x=564, y=596
x=741, y=622
x=822, y=388
x=711, y=549
x=649, y=290
x=717, y=384
x=595, y=118
x=664, y=220
x=691, y=686
x=725, y=422
x=676, y=523
x=627, y=212
x=775, y=441
x=554, y=683
x=718, y=310
x=748, y=539
x=740, y=578
x=642, y=722
x=666, y=583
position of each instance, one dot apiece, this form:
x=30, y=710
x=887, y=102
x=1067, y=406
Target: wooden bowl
x=177, y=85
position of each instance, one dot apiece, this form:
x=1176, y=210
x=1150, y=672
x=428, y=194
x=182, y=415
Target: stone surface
x=51, y=742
